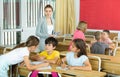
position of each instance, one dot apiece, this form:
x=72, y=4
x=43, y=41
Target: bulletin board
x=101, y=14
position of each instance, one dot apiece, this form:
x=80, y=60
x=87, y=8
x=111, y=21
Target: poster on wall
x=101, y=14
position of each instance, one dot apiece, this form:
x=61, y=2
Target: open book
x=41, y=68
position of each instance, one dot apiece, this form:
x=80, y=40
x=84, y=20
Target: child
x=18, y=55
x=105, y=37
x=81, y=29
x=49, y=54
x=79, y=32
x=98, y=47
x=77, y=59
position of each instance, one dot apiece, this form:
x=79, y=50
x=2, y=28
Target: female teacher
x=45, y=27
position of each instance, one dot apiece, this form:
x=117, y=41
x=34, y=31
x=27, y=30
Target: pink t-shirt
x=79, y=34
x=107, y=41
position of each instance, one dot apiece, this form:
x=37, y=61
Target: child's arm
x=86, y=67
x=112, y=46
x=53, y=61
x=37, y=57
x=63, y=65
x=33, y=67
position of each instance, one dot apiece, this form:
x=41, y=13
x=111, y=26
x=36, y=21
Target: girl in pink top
x=79, y=32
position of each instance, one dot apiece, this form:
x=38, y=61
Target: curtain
x=65, y=16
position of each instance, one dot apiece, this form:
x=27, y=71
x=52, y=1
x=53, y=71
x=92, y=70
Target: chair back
x=67, y=37
x=115, y=42
x=36, y=73
x=62, y=46
x=95, y=62
x=7, y=50
x=87, y=48
x=116, y=51
x=2, y=50
x=89, y=38
x=115, y=38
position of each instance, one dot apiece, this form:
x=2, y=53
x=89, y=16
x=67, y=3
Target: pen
x=69, y=74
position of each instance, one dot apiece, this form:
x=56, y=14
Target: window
x=10, y=31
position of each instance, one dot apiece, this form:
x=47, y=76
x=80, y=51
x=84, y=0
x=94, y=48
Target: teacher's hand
x=51, y=35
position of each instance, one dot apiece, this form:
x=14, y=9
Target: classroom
x=59, y=38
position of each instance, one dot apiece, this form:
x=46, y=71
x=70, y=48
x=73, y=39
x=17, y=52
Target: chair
x=95, y=62
x=60, y=38
x=115, y=42
x=67, y=37
x=44, y=74
x=89, y=38
x=62, y=46
x=115, y=38
x=87, y=48
x=2, y=50
x=116, y=51
x=7, y=50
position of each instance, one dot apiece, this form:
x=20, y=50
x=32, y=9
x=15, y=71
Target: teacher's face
x=48, y=12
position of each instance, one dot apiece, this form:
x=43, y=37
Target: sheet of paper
x=41, y=68
x=44, y=68
x=60, y=68
x=36, y=62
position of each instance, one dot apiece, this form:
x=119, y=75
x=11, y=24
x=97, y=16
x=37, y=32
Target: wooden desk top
x=65, y=43
x=114, y=59
x=79, y=73
x=110, y=64
x=89, y=39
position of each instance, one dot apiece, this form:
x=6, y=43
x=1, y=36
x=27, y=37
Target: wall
x=101, y=14
x=77, y=10
x=77, y=4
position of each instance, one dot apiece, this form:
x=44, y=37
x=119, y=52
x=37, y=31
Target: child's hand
x=45, y=61
x=41, y=57
x=63, y=65
x=70, y=67
x=112, y=46
x=45, y=64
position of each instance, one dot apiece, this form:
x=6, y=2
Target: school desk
x=60, y=38
x=78, y=73
x=63, y=46
x=89, y=40
x=109, y=64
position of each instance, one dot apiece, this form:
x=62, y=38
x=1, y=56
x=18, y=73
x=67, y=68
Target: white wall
x=1, y=20
x=1, y=13
x=77, y=4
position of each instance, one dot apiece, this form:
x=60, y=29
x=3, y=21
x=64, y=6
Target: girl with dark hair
x=77, y=58
x=19, y=54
